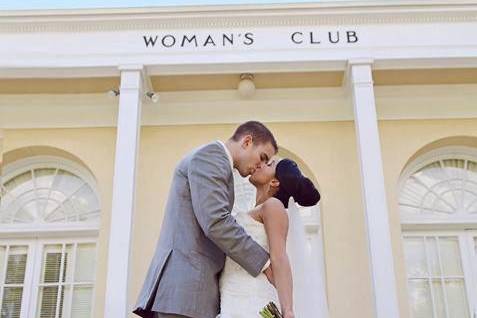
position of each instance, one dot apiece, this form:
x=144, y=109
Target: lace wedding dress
x=242, y=295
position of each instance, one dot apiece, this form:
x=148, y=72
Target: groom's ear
x=247, y=140
x=275, y=183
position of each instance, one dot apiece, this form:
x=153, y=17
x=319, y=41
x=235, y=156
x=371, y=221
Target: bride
x=244, y=296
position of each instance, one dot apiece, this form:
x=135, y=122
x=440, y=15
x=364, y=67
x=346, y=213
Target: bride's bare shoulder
x=272, y=206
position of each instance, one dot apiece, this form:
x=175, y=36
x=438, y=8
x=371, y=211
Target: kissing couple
x=208, y=263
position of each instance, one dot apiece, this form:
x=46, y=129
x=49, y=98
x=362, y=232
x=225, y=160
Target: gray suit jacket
x=198, y=231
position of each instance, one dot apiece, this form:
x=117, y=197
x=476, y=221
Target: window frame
x=464, y=227
x=36, y=236
x=33, y=270
x=33, y=230
x=431, y=222
x=468, y=259
x=29, y=265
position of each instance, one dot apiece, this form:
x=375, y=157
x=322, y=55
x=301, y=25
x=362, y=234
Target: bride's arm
x=275, y=219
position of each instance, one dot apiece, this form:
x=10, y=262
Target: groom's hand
x=268, y=272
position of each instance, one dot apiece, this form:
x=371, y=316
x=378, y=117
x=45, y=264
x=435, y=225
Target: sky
x=73, y=4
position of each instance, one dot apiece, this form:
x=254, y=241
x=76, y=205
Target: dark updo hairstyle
x=294, y=184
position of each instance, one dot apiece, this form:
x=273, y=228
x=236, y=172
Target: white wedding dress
x=242, y=295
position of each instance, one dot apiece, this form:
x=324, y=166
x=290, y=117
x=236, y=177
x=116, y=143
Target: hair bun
x=306, y=194
x=294, y=184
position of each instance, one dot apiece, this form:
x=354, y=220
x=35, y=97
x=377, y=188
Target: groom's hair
x=259, y=132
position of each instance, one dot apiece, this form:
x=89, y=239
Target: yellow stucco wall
x=329, y=150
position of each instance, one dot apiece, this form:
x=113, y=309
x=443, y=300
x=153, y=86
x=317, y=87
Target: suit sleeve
x=208, y=173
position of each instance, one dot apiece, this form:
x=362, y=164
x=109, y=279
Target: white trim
x=48, y=230
x=418, y=223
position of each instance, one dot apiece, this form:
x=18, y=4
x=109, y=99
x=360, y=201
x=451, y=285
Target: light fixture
x=246, y=86
x=153, y=96
x=113, y=93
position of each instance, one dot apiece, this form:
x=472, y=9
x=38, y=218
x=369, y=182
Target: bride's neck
x=263, y=194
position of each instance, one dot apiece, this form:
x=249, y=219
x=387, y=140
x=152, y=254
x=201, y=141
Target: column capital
x=132, y=77
x=146, y=84
x=131, y=67
x=360, y=61
x=359, y=72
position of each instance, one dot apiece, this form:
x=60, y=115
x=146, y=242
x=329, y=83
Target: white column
x=360, y=83
x=124, y=186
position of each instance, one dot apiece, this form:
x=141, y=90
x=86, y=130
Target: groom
x=198, y=230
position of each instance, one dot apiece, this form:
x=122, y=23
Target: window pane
x=65, y=305
x=82, y=301
x=85, y=262
x=19, y=184
x=12, y=301
x=52, y=267
x=16, y=265
x=439, y=303
x=415, y=257
x=3, y=250
x=84, y=200
x=52, y=263
x=14, y=274
x=457, y=298
x=47, y=300
x=44, y=177
x=433, y=256
x=450, y=256
x=420, y=298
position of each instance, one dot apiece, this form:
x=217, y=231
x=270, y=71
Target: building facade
x=377, y=101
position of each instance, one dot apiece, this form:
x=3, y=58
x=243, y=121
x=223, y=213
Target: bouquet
x=271, y=311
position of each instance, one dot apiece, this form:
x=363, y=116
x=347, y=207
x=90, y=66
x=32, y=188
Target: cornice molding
x=347, y=13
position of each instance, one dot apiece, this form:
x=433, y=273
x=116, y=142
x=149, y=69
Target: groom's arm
x=208, y=175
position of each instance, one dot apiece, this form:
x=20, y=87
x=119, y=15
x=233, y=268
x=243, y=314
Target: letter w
x=150, y=40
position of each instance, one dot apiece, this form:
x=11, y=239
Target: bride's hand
x=268, y=272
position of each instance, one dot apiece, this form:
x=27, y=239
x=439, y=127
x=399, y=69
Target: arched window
x=438, y=206
x=49, y=220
